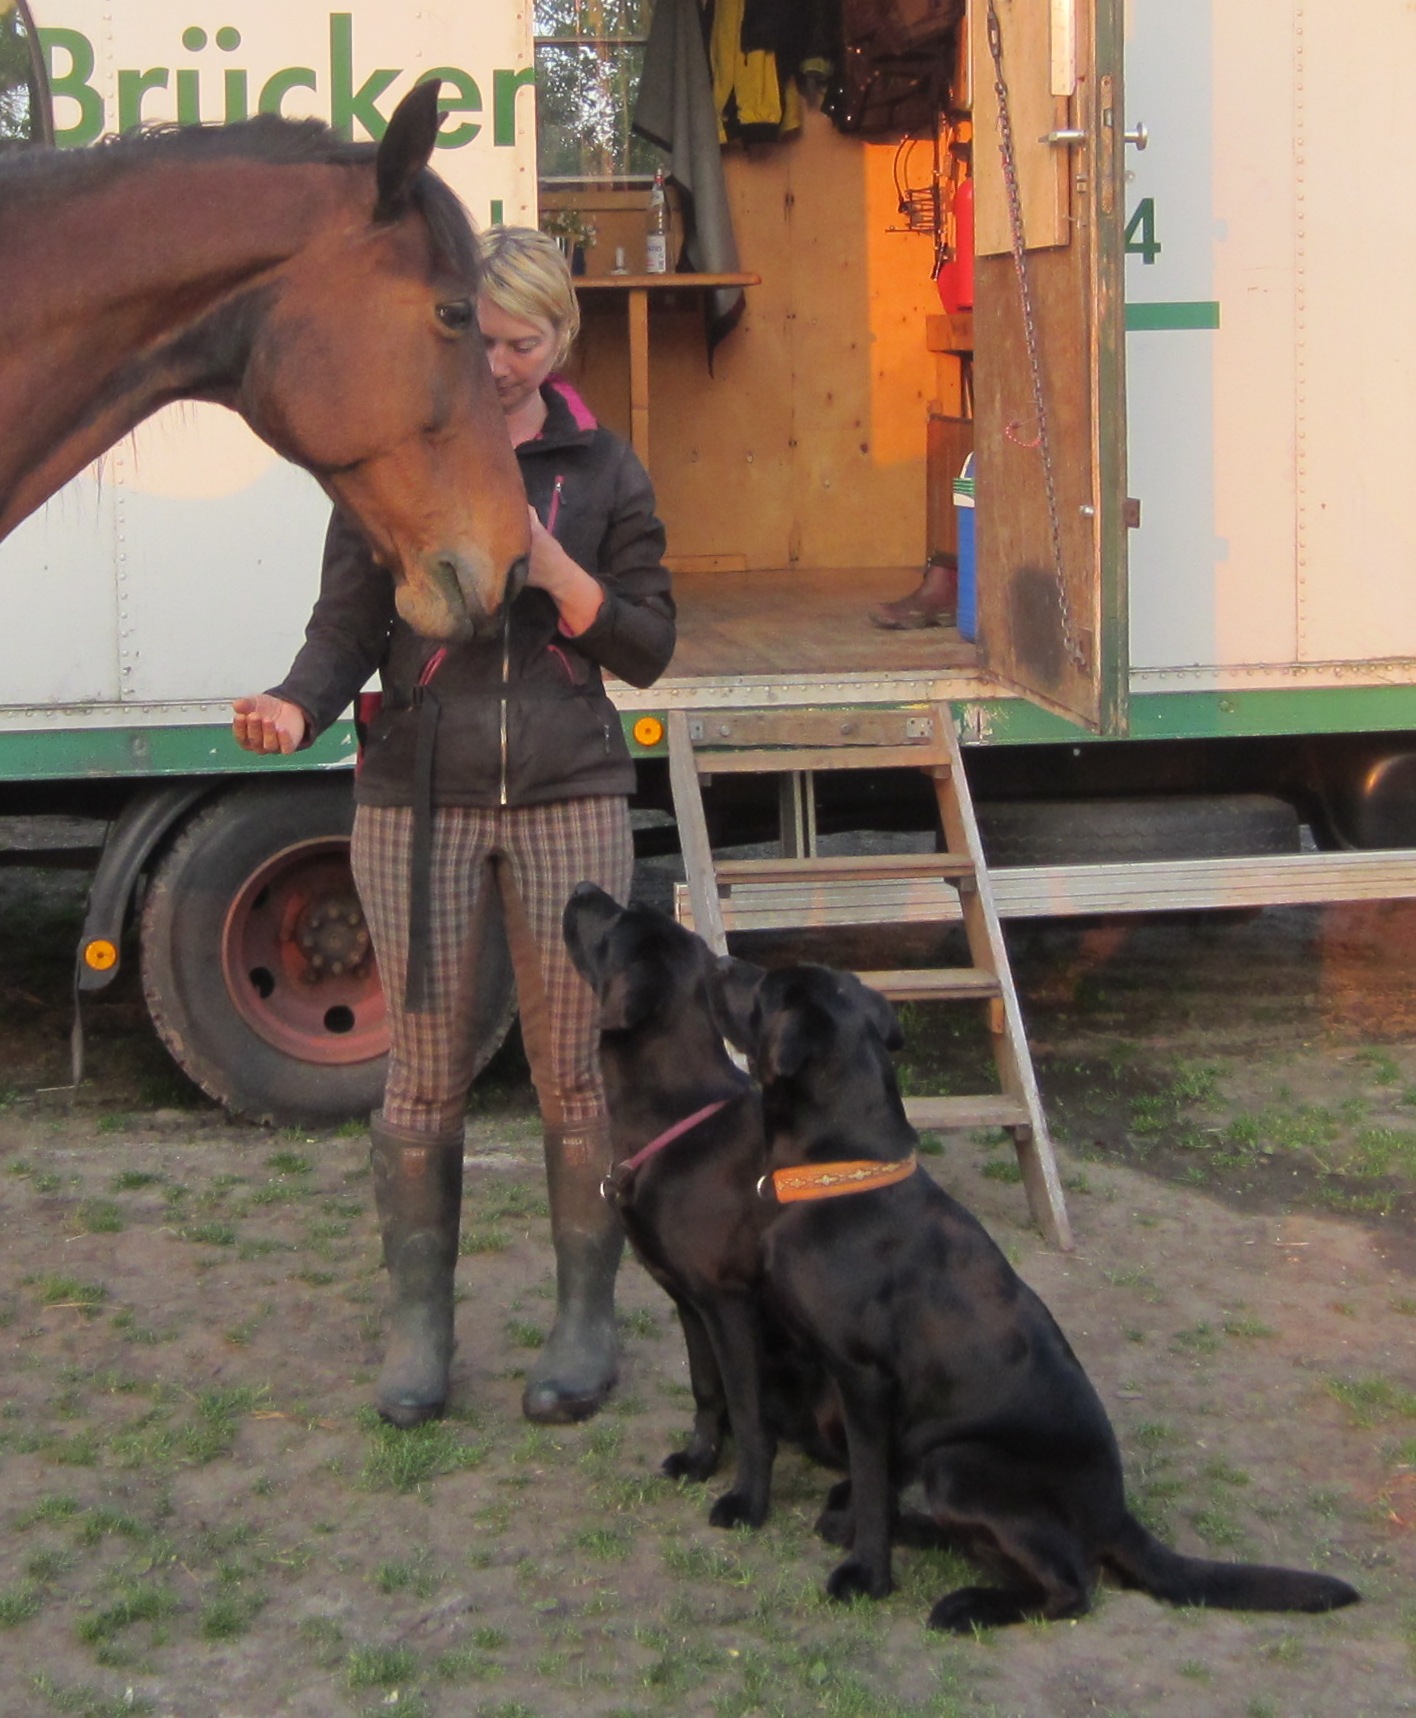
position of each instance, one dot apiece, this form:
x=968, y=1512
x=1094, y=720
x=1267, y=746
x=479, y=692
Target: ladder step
x=847, y=868
x=986, y=1110
x=934, y=984
x=840, y=731
x=771, y=905
x=788, y=760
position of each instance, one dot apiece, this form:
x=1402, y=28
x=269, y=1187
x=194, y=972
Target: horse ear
x=407, y=148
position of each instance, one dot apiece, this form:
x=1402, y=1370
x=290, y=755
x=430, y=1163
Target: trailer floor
x=792, y=622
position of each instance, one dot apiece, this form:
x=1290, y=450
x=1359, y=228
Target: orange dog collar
x=834, y=1180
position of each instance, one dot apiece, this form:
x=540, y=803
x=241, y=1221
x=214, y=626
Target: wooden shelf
x=660, y=282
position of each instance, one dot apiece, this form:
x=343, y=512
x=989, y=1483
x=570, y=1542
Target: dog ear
x=882, y=1016
x=626, y=1001
x=788, y=1040
x=732, y=998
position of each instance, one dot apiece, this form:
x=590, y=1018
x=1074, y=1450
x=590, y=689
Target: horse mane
x=37, y=174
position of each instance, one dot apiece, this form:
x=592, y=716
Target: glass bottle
x=656, y=228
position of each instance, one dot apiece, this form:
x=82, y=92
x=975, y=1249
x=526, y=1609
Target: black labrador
x=951, y=1371
x=689, y=1150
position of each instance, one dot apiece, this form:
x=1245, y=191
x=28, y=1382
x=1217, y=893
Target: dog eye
x=456, y=315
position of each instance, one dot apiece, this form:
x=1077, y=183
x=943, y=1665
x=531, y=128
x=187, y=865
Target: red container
x=955, y=278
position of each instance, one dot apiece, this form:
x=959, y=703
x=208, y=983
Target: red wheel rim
x=297, y=962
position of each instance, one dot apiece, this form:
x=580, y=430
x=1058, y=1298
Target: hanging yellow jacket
x=747, y=88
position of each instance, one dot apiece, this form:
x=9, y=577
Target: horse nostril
x=516, y=578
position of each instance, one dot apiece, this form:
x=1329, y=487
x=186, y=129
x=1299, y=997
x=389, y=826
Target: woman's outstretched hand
x=267, y=724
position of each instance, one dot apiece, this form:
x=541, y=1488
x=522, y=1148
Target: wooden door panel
x=1050, y=484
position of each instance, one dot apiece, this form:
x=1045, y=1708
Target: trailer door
x=1049, y=363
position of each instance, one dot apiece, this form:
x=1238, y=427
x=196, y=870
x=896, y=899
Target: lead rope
x=1042, y=441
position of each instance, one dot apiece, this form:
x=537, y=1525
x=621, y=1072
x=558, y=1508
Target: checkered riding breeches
x=525, y=861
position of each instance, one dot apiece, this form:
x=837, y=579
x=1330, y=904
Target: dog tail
x=1140, y=1560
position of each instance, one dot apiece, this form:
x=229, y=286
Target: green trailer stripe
x=71, y=754
x=1218, y=715
x=68, y=754
x=1185, y=313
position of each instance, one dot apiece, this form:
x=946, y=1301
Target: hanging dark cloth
x=676, y=110
x=896, y=66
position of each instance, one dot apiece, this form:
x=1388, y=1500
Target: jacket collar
x=568, y=419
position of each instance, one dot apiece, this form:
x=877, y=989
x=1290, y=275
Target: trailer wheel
x=1101, y=831
x=256, y=961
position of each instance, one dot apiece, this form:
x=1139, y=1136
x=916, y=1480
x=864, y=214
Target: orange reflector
x=100, y=954
x=648, y=730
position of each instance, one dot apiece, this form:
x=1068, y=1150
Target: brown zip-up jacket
x=523, y=718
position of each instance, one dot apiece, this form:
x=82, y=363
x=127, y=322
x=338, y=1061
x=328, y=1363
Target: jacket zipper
x=552, y=514
x=505, y=697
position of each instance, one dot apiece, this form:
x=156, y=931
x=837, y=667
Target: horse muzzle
x=458, y=597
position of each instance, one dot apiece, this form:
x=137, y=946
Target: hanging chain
x=1042, y=441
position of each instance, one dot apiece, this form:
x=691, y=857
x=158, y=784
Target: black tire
x=1116, y=831
x=255, y=958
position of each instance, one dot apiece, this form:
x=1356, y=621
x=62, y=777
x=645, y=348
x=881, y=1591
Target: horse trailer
x=1111, y=256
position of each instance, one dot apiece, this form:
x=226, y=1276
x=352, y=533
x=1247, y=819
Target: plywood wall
x=806, y=445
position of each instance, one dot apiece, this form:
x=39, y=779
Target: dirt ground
x=199, y=1517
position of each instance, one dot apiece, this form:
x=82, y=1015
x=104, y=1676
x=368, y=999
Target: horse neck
x=101, y=284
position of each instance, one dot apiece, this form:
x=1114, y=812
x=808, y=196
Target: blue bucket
x=968, y=550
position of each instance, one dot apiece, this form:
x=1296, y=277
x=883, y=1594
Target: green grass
x=399, y=1460
x=1371, y=1401
x=380, y=1666
x=69, y=1292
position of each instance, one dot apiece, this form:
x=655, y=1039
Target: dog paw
x=691, y=1463
x=836, y=1527
x=856, y=1580
x=954, y=1613
x=735, y=1509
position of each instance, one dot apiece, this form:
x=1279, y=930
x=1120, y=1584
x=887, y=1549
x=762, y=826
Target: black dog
x=688, y=1197
x=951, y=1370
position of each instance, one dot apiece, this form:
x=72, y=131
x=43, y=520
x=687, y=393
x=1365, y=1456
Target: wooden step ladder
x=811, y=889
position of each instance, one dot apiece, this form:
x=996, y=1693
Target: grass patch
x=399, y=1460
x=380, y=1666
x=1370, y=1401
x=59, y=1291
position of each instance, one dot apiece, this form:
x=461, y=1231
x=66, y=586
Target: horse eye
x=457, y=315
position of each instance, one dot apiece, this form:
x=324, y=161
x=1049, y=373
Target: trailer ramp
x=795, y=744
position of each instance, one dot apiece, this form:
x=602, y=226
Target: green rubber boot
x=576, y=1369
x=418, y=1193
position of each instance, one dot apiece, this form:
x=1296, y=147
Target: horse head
x=367, y=368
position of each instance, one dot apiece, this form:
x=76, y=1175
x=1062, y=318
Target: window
x=588, y=59
x=24, y=96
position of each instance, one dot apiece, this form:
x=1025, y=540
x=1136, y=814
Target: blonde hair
x=525, y=274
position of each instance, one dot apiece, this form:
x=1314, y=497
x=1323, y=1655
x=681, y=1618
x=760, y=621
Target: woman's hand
x=268, y=724
x=574, y=592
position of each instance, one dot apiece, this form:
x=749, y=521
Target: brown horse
x=326, y=291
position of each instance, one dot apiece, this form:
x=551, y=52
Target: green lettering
x=346, y=104
x=1139, y=238
x=132, y=87
x=238, y=100
x=189, y=97
x=73, y=84
x=279, y=84
x=505, y=85
x=498, y=211
x=467, y=99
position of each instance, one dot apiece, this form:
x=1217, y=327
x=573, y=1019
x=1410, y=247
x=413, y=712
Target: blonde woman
x=525, y=778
